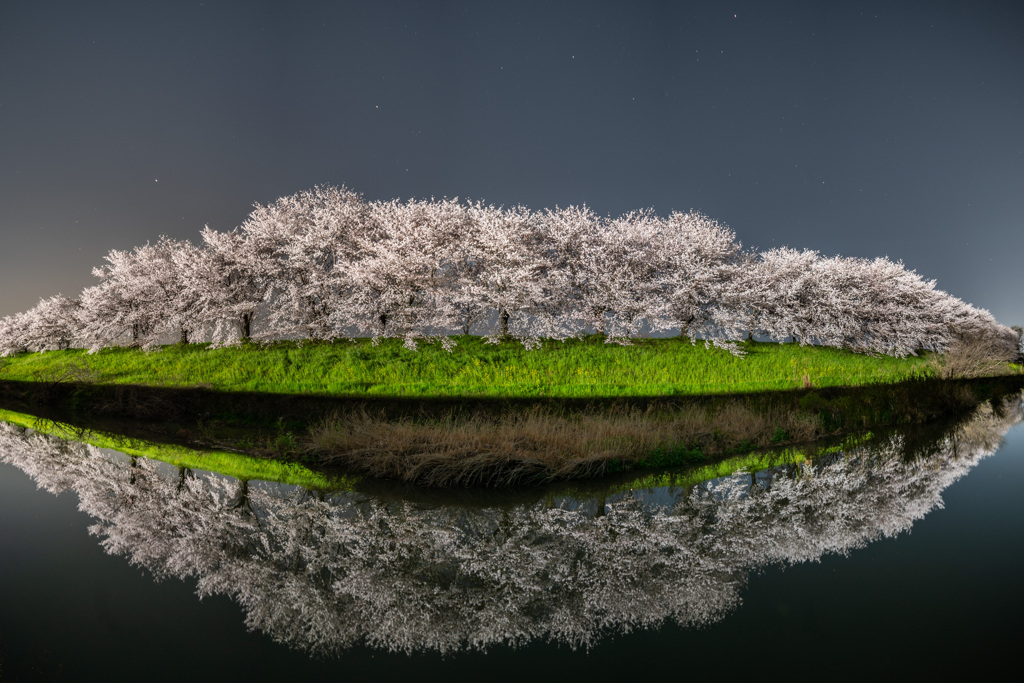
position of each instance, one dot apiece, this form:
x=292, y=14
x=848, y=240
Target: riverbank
x=495, y=442
x=575, y=368
x=486, y=414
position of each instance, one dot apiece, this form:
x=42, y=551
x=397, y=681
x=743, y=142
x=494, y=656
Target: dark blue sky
x=865, y=129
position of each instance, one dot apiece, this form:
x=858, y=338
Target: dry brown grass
x=976, y=356
x=540, y=443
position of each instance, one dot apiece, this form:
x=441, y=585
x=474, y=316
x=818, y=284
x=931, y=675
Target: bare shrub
x=977, y=354
x=75, y=371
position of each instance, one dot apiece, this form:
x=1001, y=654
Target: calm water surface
x=900, y=557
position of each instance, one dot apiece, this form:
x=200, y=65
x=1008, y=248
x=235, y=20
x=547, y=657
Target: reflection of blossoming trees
x=325, y=571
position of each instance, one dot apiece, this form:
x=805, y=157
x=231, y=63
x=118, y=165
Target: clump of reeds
x=542, y=443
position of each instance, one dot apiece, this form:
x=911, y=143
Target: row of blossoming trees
x=325, y=263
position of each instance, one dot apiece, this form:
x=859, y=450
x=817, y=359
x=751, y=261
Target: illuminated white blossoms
x=325, y=264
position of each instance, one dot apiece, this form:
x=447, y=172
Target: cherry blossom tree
x=703, y=260
x=14, y=333
x=398, y=271
x=311, y=240
x=636, y=273
x=574, y=290
x=874, y=306
x=501, y=269
x=170, y=296
x=145, y=296
x=231, y=279
x=784, y=294
x=184, y=292
x=455, y=238
x=604, y=275
x=54, y=324
x=119, y=308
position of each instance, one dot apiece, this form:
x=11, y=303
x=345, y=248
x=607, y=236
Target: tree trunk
x=184, y=335
x=382, y=319
x=241, y=502
x=504, y=323
x=685, y=327
x=183, y=474
x=246, y=326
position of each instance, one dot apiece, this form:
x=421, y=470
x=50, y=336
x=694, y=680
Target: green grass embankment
x=571, y=369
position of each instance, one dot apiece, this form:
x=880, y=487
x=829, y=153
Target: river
x=898, y=555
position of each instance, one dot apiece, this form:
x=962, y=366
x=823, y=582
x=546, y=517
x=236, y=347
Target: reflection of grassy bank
x=574, y=368
x=749, y=462
x=237, y=465
x=249, y=468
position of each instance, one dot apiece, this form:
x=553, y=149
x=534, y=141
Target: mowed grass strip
x=576, y=368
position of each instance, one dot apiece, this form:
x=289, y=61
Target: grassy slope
x=575, y=368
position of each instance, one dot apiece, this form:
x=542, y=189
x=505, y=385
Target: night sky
x=863, y=129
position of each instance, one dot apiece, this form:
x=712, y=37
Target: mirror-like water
x=805, y=564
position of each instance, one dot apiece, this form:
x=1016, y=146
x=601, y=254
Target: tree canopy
x=325, y=264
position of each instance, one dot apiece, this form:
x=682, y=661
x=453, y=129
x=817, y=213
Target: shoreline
x=501, y=442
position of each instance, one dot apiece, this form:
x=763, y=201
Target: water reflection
x=325, y=571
